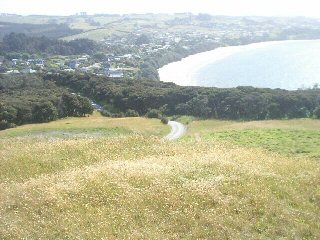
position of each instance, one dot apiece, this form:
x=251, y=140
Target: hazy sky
x=219, y=7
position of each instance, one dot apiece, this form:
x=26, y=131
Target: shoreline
x=183, y=72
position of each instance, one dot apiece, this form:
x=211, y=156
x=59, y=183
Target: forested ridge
x=241, y=103
x=50, y=30
x=46, y=97
x=19, y=42
x=30, y=99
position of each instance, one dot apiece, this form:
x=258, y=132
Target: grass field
x=299, y=137
x=100, y=178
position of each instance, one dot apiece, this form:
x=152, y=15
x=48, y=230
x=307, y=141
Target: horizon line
x=154, y=13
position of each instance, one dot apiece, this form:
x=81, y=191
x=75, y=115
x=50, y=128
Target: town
x=128, y=53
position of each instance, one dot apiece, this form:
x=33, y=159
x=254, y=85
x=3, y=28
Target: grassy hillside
x=299, y=137
x=93, y=178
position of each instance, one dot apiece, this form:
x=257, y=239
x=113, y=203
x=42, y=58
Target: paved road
x=177, y=130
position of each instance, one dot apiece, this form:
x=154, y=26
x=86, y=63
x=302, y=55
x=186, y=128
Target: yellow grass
x=95, y=121
x=139, y=186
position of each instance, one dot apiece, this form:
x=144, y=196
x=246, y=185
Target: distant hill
x=37, y=30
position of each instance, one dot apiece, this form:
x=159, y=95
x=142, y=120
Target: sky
x=307, y=8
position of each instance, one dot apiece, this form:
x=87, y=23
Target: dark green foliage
x=131, y=113
x=153, y=113
x=19, y=95
x=5, y=124
x=241, y=103
x=8, y=115
x=37, y=30
x=74, y=105
x=316, y=112
x=107, y=113
x=164, y=120
x=28, y=98
x=142, y=39
x=19, y=42
x=44, y=112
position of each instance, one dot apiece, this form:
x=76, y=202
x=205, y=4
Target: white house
x=114, y=72
x=28, y=70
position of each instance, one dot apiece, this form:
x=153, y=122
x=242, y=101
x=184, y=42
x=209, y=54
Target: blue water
x=287, y=65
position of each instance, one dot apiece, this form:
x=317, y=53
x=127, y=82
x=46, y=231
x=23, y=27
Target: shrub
x=4, y=125
x=164, y=120
x=131, y=113
x=106, y=113
x=44, y=112
x=153, y=113
x=316, y=112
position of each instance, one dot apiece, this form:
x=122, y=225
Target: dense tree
x=51, y=30
x=74, y=105
x=242, y=103
x=44, y=112
x=21, y=98
x=316, y=112
x=19, y=42
x=28, y=98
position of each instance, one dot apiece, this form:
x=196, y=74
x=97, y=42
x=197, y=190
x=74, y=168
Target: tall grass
x=137, y=186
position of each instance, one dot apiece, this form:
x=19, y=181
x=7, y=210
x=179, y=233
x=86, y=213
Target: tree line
x=241, y=103
x=36, y=98
x=50, y=30
x=19, y=42
x=30, y=99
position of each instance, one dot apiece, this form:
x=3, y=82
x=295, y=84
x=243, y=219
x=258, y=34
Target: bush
x=316, y=112
x=153, y=113
x=4, y=125
x=164, y=120
x=44, y=112
x=106, y=113
x=131, y=113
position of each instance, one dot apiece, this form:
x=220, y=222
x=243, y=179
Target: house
x=13, y=72
x=31, y=61
x=68, y=70
x=114, y=72
x=39, y=63
x=28, y=70
x=14, y=61
x=74, y=64
x=83, y=58
x=3, y=69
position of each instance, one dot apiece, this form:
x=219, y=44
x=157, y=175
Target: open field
x=91, y=124
x=300, y=137
x=117, y=179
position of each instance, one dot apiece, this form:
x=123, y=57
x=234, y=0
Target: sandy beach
x=183, y=72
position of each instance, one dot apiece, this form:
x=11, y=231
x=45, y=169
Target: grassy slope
x=133, y=184
x=299, y=137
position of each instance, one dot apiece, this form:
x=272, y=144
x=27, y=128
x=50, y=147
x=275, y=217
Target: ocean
x=284, y=64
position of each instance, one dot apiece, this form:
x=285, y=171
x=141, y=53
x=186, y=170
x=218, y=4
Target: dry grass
x=136, y=186
x=92, y=124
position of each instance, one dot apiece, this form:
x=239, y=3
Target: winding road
x=177, y=130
